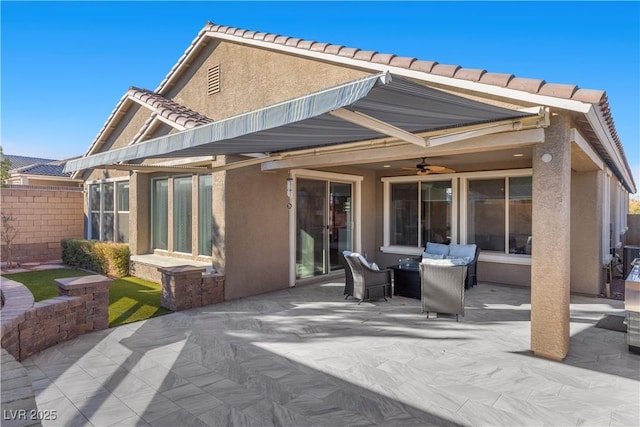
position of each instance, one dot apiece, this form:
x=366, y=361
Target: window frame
x=504, y=258
x=89, y=229
x=459, y=212
x=387, y=182
x=195, y=210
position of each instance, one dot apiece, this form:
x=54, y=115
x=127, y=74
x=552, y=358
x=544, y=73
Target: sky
x=65, y=65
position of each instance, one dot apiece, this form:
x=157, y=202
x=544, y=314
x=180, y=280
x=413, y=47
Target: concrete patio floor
x=304, y=356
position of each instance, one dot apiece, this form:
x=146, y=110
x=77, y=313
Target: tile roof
x=37, y=166
x=169, y=109
x=510, y=81
x=18, y=162
x=567, y=91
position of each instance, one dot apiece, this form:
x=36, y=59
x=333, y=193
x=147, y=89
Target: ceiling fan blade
x=442, y=170
x=435, y=168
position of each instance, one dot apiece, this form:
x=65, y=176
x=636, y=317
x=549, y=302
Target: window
x=520, y=213
x=122, y=206
x=94, y=204
x=205, y=215
x=108, y=221
x=160, y=214
x=419, y=212
x=104, y=224
x=499, y=214
x=404, y=214
x=182, y=214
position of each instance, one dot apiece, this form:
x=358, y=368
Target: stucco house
x=267, y=155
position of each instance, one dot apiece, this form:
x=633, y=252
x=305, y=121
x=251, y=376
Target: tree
x=634, y=204
x=5, y=167
x=8, y=233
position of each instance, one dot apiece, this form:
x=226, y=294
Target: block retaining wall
x=27, y=328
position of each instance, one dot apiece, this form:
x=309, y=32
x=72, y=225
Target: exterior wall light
x=289, y=186
x=546, y=157
x=289, y=190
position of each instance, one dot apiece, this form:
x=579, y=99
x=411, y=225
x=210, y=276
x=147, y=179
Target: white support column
x=551, y=258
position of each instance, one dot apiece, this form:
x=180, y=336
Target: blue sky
x=65, y=65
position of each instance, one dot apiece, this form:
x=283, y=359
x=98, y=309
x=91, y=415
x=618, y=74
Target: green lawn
x=130, y=298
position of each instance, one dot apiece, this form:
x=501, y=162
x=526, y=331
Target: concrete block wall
x=44, y=216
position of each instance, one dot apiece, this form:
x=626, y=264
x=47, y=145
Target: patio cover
x=369, y=108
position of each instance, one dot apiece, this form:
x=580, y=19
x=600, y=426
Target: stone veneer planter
x=188, y=287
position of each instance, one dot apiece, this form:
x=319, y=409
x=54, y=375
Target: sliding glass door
x=324, y=225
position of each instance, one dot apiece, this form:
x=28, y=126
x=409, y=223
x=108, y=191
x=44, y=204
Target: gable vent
x=213, y=80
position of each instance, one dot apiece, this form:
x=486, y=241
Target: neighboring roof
x=37, y=166
x=386, y=103
x=169, y=109
x=18, y=162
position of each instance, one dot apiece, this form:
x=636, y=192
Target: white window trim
x=386, y=206
x=460, y=188
x=354, y=180
x=488, y=256
x=464, y=184
x=151, y=207
x=606, y=218
x=100, y=182
x=171, y=245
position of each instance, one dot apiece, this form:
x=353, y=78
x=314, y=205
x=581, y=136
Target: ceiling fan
x=423, y=168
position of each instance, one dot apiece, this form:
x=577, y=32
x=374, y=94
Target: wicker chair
x=442, y=288
x=366, y=283
x=348, y=276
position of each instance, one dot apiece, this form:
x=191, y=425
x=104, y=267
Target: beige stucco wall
x=43, y=217
x=139, y=213
x=551, y=251
x=126, y=129
x=252, y=78
x=510, y=274
x=586, y=220
x=256, y=230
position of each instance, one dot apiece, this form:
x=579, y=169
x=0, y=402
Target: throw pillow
x=437, y=248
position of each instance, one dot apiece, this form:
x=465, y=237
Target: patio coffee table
x=406, y=281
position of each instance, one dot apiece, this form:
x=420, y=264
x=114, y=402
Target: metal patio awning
x=369, y=108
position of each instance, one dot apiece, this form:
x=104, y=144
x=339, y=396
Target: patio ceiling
x=369, y=108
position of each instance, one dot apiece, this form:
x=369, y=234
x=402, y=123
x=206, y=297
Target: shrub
x=107, y=258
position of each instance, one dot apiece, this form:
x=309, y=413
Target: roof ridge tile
x=168, y=108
